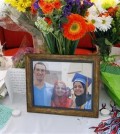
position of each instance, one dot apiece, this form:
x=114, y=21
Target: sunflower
x=75, y=28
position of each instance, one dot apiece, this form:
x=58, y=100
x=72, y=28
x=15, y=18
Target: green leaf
x=57, y=33
x=56, y=17
x=64, y=20
x=107, y=42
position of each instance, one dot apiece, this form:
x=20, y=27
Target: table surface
x=38, y=123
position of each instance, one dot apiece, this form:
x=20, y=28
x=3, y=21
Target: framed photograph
x=63, y=84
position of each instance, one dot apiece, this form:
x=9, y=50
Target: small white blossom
x=105, y=23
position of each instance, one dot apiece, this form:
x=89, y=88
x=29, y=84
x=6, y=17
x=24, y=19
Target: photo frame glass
x=65, y=85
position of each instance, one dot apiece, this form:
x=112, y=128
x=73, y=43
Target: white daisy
x=96, y=21
x=105, y=23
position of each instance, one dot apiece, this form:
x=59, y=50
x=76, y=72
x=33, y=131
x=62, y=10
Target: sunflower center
x=75, y=27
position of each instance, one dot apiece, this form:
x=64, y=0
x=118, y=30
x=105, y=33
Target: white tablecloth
x=37, y=123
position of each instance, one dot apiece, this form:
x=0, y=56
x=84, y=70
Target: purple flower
x=77, y=2
x=36, y=6
x=87, y=3
x=69, y=1
x=67, y=10
x=73, y=6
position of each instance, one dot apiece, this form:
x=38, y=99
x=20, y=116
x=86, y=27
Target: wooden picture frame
x=59, y=71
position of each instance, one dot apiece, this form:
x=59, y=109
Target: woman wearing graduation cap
x=81, y=97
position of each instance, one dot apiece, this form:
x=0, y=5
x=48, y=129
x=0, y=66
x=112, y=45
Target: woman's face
x=60, y=89
x=78, y=88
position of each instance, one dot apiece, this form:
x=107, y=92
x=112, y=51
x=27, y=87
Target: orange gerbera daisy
x=75, y=28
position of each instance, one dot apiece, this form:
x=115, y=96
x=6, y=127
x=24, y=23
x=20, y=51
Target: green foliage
x=104, y=46
x=115, y=31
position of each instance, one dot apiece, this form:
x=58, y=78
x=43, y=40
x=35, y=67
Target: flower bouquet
x=63, y=23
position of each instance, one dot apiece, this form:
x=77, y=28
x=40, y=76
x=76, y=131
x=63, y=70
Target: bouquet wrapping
x=13, y=20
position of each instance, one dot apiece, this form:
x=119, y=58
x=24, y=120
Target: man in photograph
x=42, y=90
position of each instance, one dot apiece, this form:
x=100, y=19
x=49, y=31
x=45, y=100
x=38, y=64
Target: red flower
x=48, y=20
x=57, y=4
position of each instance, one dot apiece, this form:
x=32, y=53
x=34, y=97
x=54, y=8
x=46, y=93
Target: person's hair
x=39, y=63
x=55, y=84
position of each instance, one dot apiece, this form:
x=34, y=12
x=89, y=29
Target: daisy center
x=75, y=27
x=93, y=21
x=103, y=22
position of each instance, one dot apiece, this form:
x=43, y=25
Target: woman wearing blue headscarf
x=82, y=98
